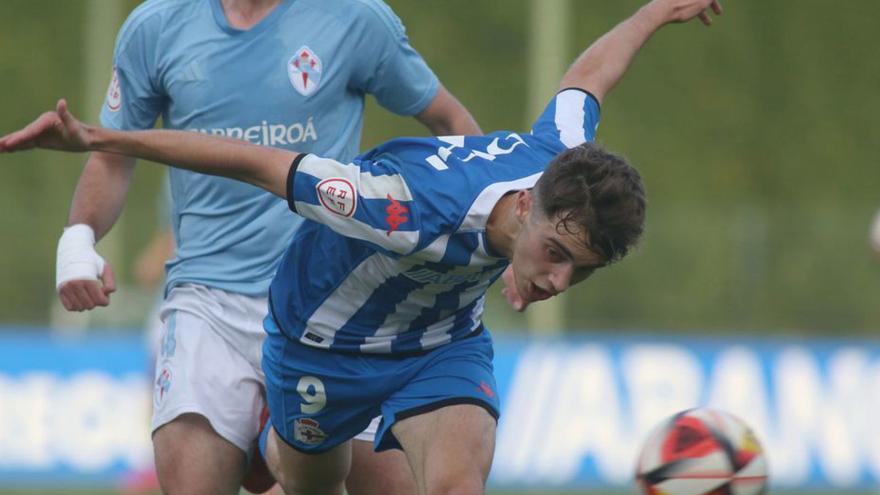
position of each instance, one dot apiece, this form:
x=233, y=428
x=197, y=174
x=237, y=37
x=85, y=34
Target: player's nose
x=560, y=277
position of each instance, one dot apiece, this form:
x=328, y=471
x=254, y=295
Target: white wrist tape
x=77, y=258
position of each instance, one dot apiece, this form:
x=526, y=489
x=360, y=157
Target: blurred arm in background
x=874, y=235
x=446, y=116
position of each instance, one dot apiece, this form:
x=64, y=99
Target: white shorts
x=209, y=362
x=154, y=329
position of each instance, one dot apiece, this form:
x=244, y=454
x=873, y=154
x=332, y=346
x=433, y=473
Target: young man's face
x=546, y=260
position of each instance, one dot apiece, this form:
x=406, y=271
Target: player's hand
x=510, y=293
x=82, y=278
x=685, y=10
x=86, y=294
x=58, y=130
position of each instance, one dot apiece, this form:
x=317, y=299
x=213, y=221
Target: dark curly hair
x=595, y=194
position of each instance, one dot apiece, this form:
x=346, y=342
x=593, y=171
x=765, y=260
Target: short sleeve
x=571, y=118
x=364, y=200
x=391, y=69
x=134, y=100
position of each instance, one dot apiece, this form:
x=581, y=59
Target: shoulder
x=375, y=14
x=151, y=16
x=380, y=13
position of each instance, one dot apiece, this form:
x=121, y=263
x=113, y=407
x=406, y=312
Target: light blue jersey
x=395, y=258
x=296, y=80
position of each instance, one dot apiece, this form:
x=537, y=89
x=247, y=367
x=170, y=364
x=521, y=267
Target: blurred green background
x=757, y=139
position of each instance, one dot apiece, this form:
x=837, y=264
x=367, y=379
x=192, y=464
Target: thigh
x=192, y=459
x=378, y=473
x=200, y=372
x=450, y=449
x=300, y=473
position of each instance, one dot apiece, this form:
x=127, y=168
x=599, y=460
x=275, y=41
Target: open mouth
x=539, y=294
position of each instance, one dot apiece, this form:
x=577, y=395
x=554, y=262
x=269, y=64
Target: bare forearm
x=603, y=64
x=446, y=116
x=462, y=124
x=263, y=167
x=101, y=191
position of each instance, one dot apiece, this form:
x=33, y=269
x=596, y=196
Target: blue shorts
x=318, y=399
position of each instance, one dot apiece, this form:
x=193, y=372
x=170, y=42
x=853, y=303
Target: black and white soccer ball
x=702, y=452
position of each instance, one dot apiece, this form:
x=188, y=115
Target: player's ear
x=523, y=204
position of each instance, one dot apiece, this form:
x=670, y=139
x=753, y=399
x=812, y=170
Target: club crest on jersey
x=114, y=93
x=337, y=195
x=308, y=431
x=163, y=384
x=304, y=70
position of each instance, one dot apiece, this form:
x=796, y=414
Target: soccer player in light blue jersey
x=376, y=306
x=282, y=73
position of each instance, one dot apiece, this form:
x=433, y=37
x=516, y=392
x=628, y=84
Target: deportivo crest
x=304, y=70
x=338, y=196
x=114, y=93
x=308, y=431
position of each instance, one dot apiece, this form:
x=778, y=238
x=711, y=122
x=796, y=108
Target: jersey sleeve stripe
x=381, y=186
x=361, y=212
x=569, y=118
x=291, y=175
x=402, y=242
x=323, y=168
x=584, y=91
x=369, y=186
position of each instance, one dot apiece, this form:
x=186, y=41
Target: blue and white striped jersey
x=394, y=257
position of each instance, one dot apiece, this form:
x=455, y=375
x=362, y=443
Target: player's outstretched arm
x=261, y=166
x=603, y=64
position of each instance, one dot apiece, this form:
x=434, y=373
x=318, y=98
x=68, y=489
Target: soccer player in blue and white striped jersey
x=376, y=306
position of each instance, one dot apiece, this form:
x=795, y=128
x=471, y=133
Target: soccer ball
x=702, y=452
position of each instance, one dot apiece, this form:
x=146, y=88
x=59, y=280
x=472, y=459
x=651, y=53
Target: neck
x=503, y=225
x=244, y=14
